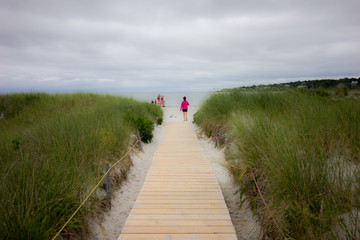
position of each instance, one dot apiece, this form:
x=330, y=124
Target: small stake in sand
x=138, y=135
x=108, y=191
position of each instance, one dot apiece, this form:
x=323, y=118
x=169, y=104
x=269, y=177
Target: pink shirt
x=184, y=105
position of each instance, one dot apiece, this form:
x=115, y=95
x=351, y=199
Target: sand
x=246, y=226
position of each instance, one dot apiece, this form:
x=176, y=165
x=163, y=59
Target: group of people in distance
x=159, y=101
x=183, y=107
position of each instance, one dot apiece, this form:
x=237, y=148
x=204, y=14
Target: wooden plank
x=178, y=155
x=180, y=211
x=176, y=230
x=181, y=185
x=180, y=206
x=195, y=175
x=178, y=223
x=178, y=237
x=177, y=193
x=179, y=182
x=187, y=171
x=190, y=169
x=209, y=180
x=179, y=201
x=182, y=217
x=168, y=177
x=179, y=197
x=180, y=163
x=179, y=190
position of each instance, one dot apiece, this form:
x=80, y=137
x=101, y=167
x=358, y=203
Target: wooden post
x=108, y=190
x=216, y=141
x=138, y=135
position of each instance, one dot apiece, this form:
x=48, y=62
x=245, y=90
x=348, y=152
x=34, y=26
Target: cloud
x=48, y=79
x=104, y=80
x=166, y=45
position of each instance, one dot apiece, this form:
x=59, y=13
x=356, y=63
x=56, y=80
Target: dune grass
x=53, y=149
x=305, y=152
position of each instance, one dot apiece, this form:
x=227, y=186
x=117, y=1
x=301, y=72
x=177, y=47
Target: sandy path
x=110, y=227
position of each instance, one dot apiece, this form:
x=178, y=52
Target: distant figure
x=162, y=101
x=152, y=101
x=184, y=108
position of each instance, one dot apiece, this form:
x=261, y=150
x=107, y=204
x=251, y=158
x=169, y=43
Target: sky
x=164, y=45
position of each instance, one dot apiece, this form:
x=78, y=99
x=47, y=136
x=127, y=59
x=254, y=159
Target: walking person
x=184, y=108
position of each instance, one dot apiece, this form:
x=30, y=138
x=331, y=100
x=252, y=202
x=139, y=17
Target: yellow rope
x=92, y=191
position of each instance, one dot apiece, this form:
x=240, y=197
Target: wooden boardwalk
x=181, y=198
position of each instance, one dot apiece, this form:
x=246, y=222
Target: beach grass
x=53, y=150
x=304, y=150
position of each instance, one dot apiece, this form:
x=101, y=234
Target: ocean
x=171, y=98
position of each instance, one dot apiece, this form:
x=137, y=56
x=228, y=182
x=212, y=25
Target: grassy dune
x=53, y=150
x=305, y=152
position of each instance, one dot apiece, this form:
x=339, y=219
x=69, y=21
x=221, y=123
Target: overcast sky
x=168, y=45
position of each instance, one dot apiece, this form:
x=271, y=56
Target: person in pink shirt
x=184, y=108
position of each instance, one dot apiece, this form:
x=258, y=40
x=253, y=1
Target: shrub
x=342, y=91
x=13, y=104
x=159, y=121
x=322, y=93
x=145, y=127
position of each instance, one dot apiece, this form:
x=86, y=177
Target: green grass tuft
x=53, y=149
x=304, y=148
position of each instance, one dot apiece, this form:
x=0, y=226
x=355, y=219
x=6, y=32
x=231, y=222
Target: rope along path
x=92, y=191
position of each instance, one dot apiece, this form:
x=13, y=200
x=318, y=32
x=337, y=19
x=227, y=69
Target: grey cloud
x=158, y=44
